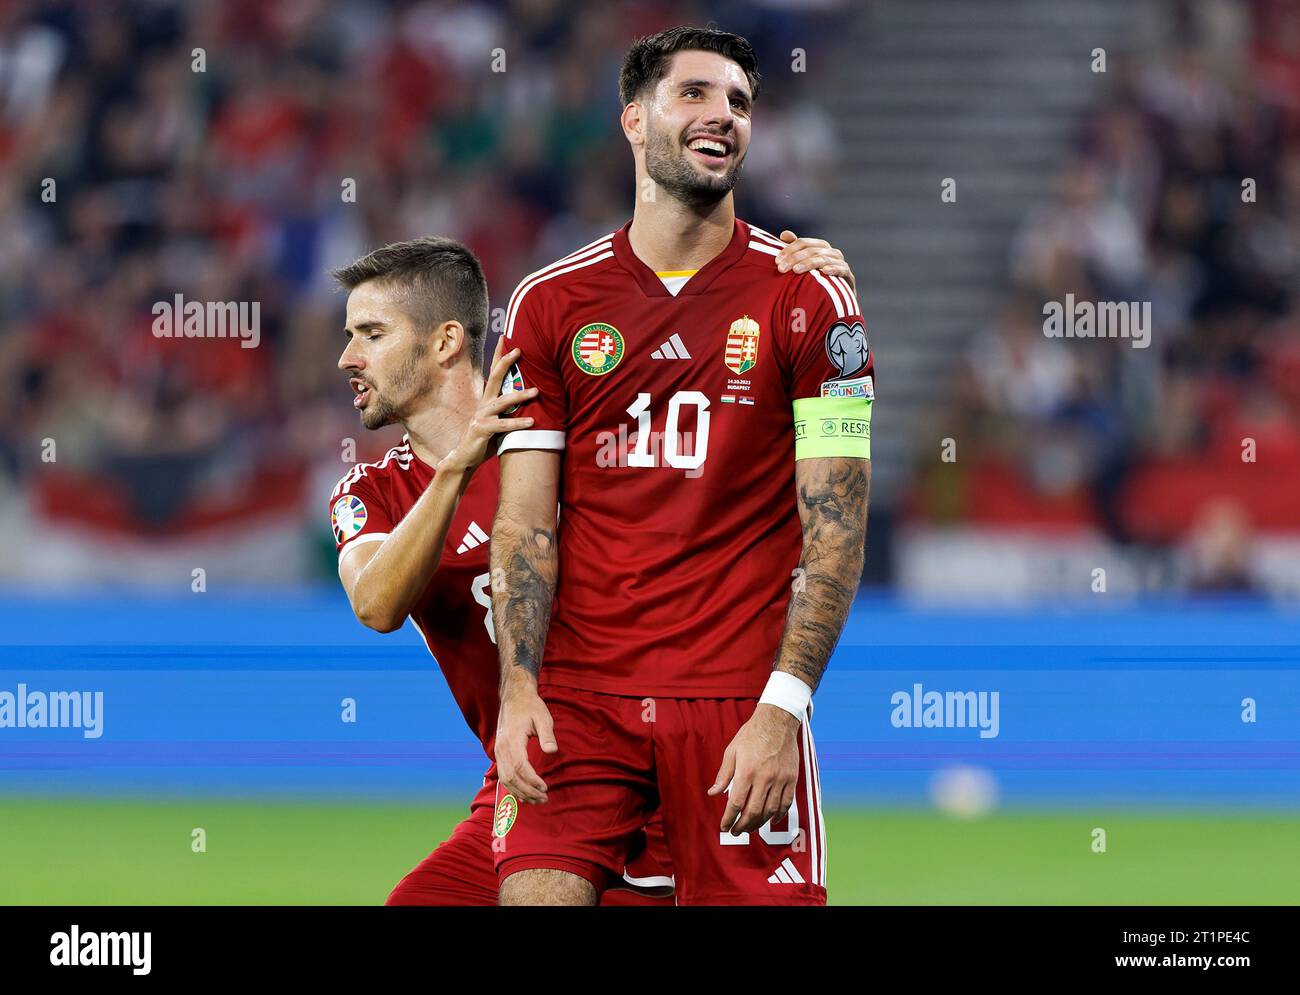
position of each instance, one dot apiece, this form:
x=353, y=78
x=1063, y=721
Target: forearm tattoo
x=523, y=589
x=833, y=497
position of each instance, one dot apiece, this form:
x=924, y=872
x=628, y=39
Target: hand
x=762, y=766
x=804, y=254
x=481, y=434
x=523, y=715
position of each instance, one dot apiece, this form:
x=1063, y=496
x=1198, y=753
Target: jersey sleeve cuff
x=532, y=438
x=360, y=540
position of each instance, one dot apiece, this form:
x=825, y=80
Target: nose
x=718, y=112
x=350, y=359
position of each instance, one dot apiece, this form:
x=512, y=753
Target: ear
x=450, y=340
x=633, y=121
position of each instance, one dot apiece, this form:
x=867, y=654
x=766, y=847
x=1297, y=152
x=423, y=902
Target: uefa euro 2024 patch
x=740, y=354
x=597, y=348
x=857, y=387
x=512, y=384
x=507, y=812
x=348, y=517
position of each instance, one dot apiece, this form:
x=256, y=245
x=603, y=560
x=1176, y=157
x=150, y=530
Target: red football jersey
x=454, y=614
x=679, y=532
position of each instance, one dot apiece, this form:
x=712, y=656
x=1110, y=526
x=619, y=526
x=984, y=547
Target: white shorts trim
x=655, y=886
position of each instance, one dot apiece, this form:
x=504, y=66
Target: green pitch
x=116, y=852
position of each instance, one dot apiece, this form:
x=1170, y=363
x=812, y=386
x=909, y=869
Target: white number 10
x=672, y=455
x=773, y=837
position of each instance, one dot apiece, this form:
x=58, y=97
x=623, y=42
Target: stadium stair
x=990, y=94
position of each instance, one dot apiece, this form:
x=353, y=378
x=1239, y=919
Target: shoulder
x=814, y=290
x=760, y=255
x=373, y=478
x=763, y=242
x=758, y=263
x=551, y=281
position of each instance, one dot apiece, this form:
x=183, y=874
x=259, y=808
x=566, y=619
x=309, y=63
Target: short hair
x=442, y=279
x=646, y=62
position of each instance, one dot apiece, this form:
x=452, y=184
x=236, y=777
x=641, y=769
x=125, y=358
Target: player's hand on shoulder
x=803, y=254
x=761, y=765
x=489, y=421
x=523, y=715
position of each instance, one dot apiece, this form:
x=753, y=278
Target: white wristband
x=788, y=692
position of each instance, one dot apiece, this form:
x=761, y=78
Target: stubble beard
x=404, y=384
x=666, y=164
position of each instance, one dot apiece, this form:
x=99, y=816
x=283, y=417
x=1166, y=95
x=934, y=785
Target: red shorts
x=621, y=760
x=460, y=871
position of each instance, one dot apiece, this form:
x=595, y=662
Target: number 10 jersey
x=679, y=533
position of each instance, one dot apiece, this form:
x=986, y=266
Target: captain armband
x=832, y=426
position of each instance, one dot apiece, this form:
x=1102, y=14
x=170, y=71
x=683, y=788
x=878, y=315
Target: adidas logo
x=787, y=873
x=674, y=348
x=474, y=537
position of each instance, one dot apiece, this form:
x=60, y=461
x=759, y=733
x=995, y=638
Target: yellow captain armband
x=832, y=426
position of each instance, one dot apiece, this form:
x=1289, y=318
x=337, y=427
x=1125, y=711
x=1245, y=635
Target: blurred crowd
x=236, y=151
x=1183, y=191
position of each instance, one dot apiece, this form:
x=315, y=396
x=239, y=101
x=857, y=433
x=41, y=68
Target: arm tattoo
x=523, y=587
x=833, y=508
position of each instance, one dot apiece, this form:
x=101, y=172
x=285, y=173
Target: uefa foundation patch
x=863, y=387
x=507, y=812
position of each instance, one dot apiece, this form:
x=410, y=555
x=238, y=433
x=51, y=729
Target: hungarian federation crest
x=597, y=348
x=507, y=812
x=348, y=517
x=742, y=345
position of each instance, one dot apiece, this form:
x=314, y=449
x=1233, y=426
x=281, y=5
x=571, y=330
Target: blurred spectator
x=1218, y=550
x=235, y=151
x=1185, y=193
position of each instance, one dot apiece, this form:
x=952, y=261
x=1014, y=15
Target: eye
x=691, y=91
